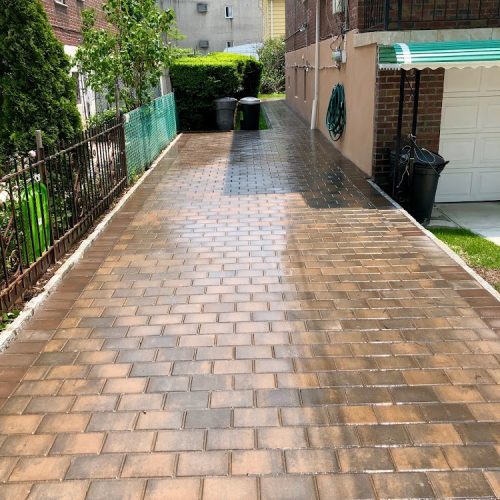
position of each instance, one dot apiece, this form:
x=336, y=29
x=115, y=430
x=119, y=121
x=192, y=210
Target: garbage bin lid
x=226, y=99
x=249, y=100
x=428, y=159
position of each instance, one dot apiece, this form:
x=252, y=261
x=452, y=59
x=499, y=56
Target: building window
x=229, y=44
x=202, y=8
x=229, y=12
x=61, y=2
x=203, y=44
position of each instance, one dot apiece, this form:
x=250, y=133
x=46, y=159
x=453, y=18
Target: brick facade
x=66, y=19
x=415, y=14
x=299, y=13
x=386, y=115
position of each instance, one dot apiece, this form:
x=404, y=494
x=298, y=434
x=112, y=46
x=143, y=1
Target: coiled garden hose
x=336, y=113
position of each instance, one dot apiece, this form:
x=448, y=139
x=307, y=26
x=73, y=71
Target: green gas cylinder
x=36, y=223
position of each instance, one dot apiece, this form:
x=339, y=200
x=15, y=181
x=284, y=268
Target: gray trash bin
x=225, y=107
x=250, y=106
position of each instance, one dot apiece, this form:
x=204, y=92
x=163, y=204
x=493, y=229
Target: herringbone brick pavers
x=256, y=322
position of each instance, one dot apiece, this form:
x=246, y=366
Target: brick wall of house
x=66, y=19
x=416, y=14
x=299, y=12
x=386, y=115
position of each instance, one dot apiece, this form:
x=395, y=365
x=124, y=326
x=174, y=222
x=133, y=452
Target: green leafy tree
x=126, y=62
x=36, y=88
x=272, y=57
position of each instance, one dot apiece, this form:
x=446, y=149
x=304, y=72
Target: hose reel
x=336, y=113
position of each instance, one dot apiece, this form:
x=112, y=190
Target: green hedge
x=197, y=81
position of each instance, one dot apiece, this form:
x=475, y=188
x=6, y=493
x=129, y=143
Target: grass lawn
x=271, y=96
x=262, y=121
x=478, y=252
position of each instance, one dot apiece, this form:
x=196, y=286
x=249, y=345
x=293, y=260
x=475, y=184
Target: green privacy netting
x=148, y=130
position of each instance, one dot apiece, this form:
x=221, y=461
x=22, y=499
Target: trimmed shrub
x=36, y=88
x=198, y=81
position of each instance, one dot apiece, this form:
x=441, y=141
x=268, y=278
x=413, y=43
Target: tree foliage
x=127, y=60
x=272, y=57
x=36, y=88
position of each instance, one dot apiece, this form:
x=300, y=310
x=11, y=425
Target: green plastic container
x=36, y=223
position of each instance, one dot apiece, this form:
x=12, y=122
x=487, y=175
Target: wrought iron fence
x=376, y=15
x=428, y=14
x=48, y=202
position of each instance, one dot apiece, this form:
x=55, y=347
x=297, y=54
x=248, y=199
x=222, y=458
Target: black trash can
x=250, y=107
x=426, y=171
x=225, y=108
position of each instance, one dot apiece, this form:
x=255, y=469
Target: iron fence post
x=40, y=157
x=386, y=14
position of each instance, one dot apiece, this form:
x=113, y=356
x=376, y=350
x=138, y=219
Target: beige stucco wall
x=358, y=76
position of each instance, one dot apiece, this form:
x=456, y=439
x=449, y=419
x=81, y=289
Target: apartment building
x=213, y=25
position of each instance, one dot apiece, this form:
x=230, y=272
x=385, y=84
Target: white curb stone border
x=9, y=334
x=439, y=243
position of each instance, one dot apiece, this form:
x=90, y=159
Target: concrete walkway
x=482, y=218
x=256, y=323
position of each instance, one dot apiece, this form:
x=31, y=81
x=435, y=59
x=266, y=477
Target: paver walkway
x=256, y=322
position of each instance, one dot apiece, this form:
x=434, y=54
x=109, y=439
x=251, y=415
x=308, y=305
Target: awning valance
x=434, y=55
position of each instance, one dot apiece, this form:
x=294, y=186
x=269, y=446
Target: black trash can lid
x=425, y=158
x=250, y=100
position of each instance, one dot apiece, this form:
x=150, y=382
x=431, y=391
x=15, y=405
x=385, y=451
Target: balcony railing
x=430, y=14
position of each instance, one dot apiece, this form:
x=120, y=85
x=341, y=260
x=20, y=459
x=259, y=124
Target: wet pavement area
x=256, y=322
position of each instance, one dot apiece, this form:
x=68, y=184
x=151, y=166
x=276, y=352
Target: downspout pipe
x=314, y=113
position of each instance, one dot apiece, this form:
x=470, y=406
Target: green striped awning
x=433, y=55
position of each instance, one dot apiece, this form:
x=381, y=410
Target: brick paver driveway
x=256, y=322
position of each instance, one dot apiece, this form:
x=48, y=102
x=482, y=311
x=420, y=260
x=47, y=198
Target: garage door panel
x=491, y=79
x=488, y=183
x=457, y=80
x=470, y=135
x=489, y=113
x=489, y=150
x=458, y=149
x=458, y=115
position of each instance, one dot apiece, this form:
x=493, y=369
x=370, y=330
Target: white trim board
x=406, y=36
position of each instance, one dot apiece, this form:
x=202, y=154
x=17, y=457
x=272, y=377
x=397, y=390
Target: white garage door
x=470, y=135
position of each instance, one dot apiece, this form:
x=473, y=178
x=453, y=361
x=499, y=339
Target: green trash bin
x=34, y=203
x=250, y=107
